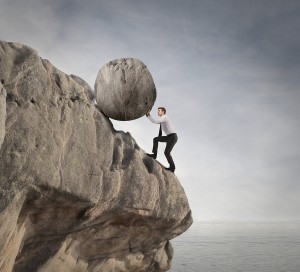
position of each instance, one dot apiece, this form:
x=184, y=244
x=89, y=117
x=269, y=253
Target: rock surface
x=125, y=89
x=2, y=112
x=86, y=87
x=76, y=195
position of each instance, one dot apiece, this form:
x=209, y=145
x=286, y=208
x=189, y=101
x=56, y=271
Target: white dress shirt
x=165, y=123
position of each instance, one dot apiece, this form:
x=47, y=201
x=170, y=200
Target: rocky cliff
x=75, y=194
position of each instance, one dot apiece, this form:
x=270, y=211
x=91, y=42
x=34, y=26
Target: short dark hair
x=163, y=109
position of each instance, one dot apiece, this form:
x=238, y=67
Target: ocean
x=238, y=247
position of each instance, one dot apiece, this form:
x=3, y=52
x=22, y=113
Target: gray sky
x=227, y=71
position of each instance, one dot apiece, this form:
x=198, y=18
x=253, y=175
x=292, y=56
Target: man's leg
x=155, y=145
x=171, y=141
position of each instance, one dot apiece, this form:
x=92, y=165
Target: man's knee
x=167, y=153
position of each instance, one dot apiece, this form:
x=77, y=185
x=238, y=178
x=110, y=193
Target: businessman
x=170, y=138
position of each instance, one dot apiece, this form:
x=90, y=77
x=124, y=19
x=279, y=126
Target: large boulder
x=125, y=89
x=76, y=195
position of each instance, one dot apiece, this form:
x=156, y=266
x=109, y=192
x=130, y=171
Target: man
x=170, y=139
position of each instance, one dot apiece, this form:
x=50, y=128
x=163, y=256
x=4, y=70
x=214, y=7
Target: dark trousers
x=171, y=140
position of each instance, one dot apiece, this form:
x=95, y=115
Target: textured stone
x=2, y=112
x=125, y=89
x=76, y=195
x=86, y=87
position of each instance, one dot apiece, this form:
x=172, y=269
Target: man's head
x=161, y=111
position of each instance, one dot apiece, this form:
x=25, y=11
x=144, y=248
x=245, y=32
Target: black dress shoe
x=151, y=155
x=170, y=169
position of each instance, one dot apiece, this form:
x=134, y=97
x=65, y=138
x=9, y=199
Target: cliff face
x=76, y=195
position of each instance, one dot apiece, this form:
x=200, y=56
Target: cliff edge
x=75, y=194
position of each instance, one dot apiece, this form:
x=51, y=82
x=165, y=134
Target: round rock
x=124, y=89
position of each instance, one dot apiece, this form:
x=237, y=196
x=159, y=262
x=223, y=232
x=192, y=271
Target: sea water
x=238, y=247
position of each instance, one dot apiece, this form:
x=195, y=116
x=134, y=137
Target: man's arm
x=155, y=121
